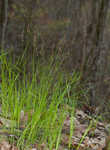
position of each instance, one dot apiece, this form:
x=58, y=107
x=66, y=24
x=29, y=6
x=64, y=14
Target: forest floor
x=89, y=134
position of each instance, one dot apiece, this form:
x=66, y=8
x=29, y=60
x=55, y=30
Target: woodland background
x=75, y=32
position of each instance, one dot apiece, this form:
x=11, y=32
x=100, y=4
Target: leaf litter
x=94, y=139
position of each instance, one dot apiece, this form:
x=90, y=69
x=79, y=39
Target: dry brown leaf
x=65, y=139
x=43, y=146
x=4, y=145
x=14, y=148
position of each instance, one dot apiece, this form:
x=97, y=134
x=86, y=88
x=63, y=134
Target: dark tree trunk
x=2, y=16
x=98, y=52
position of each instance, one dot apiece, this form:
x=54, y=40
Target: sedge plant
x=40, y=97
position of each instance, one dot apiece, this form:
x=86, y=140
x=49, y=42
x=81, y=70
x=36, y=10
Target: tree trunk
x=99, y=53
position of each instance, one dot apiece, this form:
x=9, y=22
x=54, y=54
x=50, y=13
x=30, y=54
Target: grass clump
x=34, y=106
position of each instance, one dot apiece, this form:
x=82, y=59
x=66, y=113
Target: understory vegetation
x=33, y=107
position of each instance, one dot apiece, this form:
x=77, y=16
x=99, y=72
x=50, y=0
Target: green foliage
x=40, y=98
